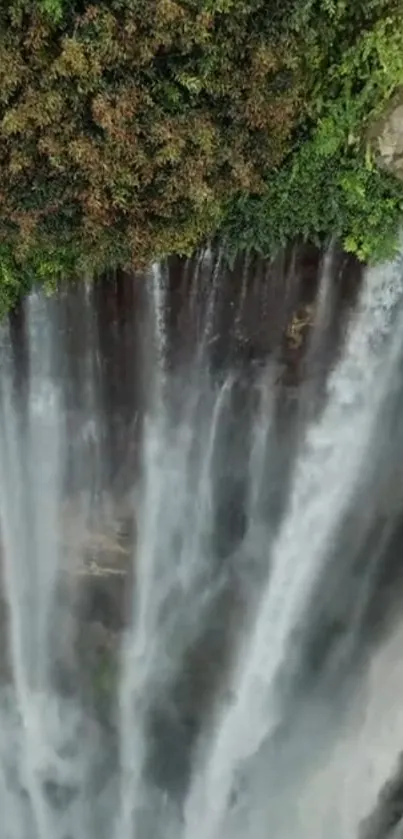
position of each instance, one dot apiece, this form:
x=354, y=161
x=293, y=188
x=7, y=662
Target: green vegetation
x=134, y=128
x=329, y=184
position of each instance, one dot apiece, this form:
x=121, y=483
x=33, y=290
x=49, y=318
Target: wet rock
x=386, y=137
x=59, y=796
x=97, y=650
x=388, y=814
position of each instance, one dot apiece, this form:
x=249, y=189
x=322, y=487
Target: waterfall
x=332, y=457
x=210, y=651
x=159, y=300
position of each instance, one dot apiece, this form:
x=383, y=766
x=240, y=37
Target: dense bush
x=134, y=128
x=329, y=184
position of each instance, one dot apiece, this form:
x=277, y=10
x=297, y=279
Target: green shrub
x=315, y=197
x=328, y=185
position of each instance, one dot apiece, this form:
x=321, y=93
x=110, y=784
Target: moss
x=105, y=679
x=98, y=657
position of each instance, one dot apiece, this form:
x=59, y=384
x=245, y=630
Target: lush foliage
x=134, y=128
x=126, y=125
x=328, y=184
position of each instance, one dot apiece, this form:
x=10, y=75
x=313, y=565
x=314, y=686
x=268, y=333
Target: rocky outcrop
x=386, y=137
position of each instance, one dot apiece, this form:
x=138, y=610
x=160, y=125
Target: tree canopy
x=130, y=129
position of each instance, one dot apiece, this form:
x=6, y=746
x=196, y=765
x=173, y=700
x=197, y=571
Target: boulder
x=386, y=137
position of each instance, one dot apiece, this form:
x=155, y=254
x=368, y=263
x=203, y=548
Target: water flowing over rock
x=201, y=525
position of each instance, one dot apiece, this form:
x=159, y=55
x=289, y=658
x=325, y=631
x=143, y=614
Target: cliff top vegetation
x=130, y=129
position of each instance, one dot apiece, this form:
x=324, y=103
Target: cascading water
x=230, y=666
x=333, y=457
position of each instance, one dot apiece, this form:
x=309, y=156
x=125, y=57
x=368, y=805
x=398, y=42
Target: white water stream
x=264, y=757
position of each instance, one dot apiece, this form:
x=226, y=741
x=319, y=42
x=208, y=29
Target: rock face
x=386, y=820
x=386, y=137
